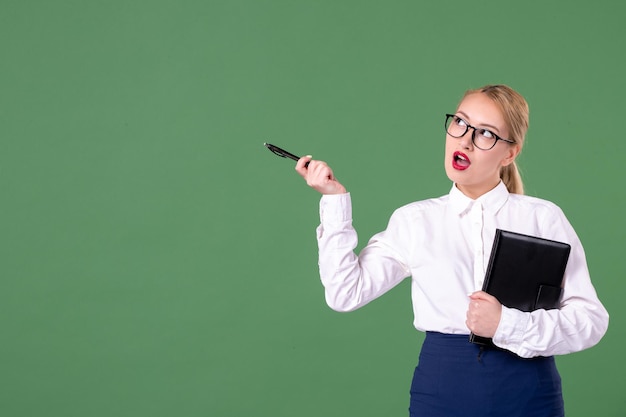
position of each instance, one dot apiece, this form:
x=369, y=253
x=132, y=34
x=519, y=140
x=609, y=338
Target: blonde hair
x=514, y=108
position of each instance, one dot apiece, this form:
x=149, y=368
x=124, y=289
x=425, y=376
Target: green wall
x=157, y=260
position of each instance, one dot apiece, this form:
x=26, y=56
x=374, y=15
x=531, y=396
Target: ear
x=511, y=154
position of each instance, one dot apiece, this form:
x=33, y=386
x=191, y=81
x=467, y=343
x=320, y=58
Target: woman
x=444, y=244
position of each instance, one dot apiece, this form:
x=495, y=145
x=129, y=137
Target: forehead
x=480, y=110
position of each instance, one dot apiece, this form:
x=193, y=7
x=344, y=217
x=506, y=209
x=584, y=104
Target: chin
x=453, y=175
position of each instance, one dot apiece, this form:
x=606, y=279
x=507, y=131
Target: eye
x=459, y=122
x=487, y=134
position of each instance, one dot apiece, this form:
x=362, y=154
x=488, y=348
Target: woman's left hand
x=483, y=314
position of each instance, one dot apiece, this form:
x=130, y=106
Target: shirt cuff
x=335, y=209
x=510, y=332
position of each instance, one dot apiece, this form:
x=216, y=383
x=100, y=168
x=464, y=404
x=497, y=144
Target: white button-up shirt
x=444, y=245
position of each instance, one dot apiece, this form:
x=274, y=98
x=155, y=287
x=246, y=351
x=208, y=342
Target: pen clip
x=278, y=151
x=282, y=153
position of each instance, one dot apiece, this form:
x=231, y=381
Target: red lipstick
x=460, y=161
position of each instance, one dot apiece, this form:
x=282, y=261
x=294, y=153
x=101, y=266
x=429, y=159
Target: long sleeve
x=581, y=320
x=444, y=245
x=351, y=281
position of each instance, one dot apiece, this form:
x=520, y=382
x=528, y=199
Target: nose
x=467, y=140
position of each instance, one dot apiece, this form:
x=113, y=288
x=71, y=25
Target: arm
x=350, y=281
x=578, y=324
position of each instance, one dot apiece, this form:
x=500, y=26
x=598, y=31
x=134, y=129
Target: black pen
x=282, y=153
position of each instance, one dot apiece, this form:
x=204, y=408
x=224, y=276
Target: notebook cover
x=525, y=272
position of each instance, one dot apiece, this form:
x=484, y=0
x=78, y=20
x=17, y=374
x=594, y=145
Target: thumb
x=481, y=295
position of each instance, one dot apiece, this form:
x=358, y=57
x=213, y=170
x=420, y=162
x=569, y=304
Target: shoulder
x=536, y=203
x=423, y=207
x=545, y=213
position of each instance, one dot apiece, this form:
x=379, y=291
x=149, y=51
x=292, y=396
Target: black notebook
x=525, y=273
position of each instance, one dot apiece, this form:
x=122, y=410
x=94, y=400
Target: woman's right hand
x=319, y=176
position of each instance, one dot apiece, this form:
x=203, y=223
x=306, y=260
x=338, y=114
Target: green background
x=157, y=260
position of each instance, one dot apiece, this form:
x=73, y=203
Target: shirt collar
x=491, y=201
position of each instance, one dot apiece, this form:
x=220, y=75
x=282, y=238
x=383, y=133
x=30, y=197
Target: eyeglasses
x=481, y=138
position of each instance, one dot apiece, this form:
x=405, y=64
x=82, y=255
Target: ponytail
x=512, y=179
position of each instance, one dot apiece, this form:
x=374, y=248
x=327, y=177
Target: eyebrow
x=481, y=125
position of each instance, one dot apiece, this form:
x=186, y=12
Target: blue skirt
x=457, y=378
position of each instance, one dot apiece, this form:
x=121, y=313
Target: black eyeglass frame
x=468, y=127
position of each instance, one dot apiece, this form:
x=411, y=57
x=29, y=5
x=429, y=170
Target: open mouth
x=460, y=161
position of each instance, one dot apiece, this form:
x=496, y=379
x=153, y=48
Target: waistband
x=459, y=345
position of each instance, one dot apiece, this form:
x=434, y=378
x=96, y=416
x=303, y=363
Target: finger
x=481, y=295
x=301, y=165
x=319, y=174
